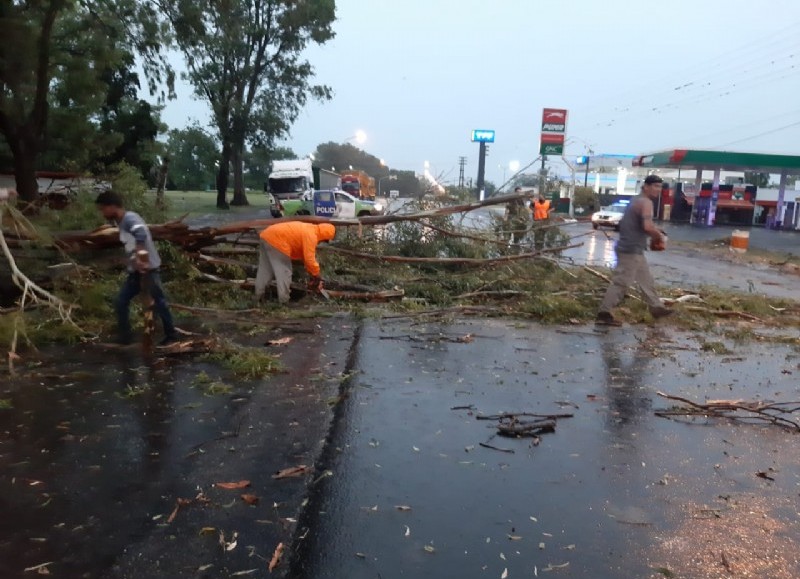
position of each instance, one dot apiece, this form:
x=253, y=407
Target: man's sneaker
x=661, y=312
x=169, y=339
x=606, y=319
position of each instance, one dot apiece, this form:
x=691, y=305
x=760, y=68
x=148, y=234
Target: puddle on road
x=614, y=492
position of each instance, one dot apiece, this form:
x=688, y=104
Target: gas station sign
x=482, y=136
x=554, y=131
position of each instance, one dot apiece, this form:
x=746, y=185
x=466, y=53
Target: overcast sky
x=637, y=76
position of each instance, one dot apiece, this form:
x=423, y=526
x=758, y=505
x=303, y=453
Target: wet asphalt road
x=91, y=474
x=685, y=267
x=96, y=451
x=615, y=492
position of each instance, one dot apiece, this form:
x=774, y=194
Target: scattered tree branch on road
x=736, y=410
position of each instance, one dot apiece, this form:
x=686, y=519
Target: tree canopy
x=193, y=156
x=245, y=58
x=70, y=91
x=340, y=157
x=58, y=61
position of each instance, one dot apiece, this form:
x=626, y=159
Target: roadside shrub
x=81, y=213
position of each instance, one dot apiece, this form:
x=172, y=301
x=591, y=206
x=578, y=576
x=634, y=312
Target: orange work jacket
x=541, y=211
x=299, y=241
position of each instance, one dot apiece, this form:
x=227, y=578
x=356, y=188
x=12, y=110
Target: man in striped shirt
x=143, y=260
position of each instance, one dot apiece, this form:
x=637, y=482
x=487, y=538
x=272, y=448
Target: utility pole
x=462, y=162
x=586, y=172
x=481, y=167
x=543, y=177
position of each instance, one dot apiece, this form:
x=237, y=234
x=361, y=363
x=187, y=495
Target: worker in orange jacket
x=282, y=243
x=541, y=215
x=541, y=209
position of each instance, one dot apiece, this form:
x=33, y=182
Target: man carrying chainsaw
x=282, y=243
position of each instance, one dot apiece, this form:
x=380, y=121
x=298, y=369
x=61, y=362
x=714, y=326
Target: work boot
x=606, y=319
x=661, y=312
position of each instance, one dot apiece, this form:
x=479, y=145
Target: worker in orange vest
x=282, y=243
x=541, y=209
x=541, y=215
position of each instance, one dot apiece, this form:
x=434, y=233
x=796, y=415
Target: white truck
x=297, y=179
x=290, y=179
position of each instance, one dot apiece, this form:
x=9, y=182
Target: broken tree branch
x=733, y=409
x=512, y=415
x=608, y=280
x=31, y=292
x=726, y=313
x=492, y=294
x=516, y=429
x=485, y=445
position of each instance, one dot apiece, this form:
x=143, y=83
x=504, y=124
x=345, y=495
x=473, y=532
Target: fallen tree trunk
x=447, y=260
x=182, y=234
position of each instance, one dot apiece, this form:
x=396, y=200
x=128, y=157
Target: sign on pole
x=554, y=131
x=482, y=136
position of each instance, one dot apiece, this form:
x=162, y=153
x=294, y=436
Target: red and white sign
x=553, y=138
x=554, y=130
x=554, y=116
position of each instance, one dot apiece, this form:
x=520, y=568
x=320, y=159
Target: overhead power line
x=764, y=134
x=732, y=60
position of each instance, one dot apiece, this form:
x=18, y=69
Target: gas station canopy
x=724, y=160
x=706, y=200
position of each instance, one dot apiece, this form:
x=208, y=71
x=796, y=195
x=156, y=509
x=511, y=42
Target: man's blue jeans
x=129, y=290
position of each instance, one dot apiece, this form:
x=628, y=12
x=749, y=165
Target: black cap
x=650, y=179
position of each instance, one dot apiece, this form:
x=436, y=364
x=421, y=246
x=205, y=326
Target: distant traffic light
x=487, y=151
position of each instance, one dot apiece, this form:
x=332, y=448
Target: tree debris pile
x=427, y=260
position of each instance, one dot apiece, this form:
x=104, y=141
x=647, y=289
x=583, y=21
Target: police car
x=331, y=203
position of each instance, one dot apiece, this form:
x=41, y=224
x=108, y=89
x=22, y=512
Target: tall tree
x=63, y=47
x=339, y=157
x=136, y=122
x=245, y=58
x=193, y=154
